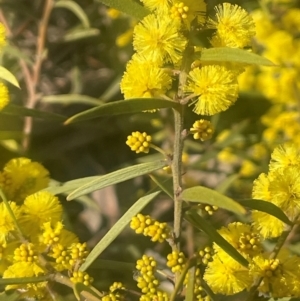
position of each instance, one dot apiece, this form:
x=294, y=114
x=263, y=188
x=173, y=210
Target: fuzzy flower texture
x=160, y=42
x=281, y=275
x=33, y=240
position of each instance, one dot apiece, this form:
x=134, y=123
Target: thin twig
x=33, y=80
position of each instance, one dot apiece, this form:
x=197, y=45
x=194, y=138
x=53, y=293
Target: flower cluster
x=278, y=40
x=147, y=281
x=33, y=239
x=176, y=261
x=139, y=142
x=160, y=40
x=281, y=186
x=116, y=292
x=202, y=129
x=144, y=224
x=278, y=276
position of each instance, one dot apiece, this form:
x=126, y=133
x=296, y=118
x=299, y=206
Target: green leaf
x=5, y=135
x=233, y=55
x=80, y=33
x=8, y=76
x=23, y=280
x=57, y=187
x=115, y=177
x=117, y=228
x=199, y=222
x=20, y=111
x=135, y=105
x=128, y=7
x=76, y=9
x=266, y=207
x=190, y=285
x=66, y=99
x=166, y=185
x=204, y=195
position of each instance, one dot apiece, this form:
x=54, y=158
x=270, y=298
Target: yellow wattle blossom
x=235, y=27
x=158, y=38
x=227, y=277
x=51, y=233
x=188, y=10
x=242, y=237
x=116, y=292
x=260, y=189
x=144, y=224
x=81, y=277
x=25, y=269
x=21, y=177
x=61, y=251
x=284, y=156
x=176, y=261
x=281, y=274
x=42, y=207
x=267, y=225
x=202, y=129
x=285, y=190
x=26, y=253
x=4, y=95
x=139, y=142
x=7, y=224
x=143, y=78
x=216, y=88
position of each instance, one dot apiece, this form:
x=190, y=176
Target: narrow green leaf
x=5, y=135
x=128, y=7
x=234, y=55
x=199, y=222
x=23, y=280
x=204, y=195
x=76, y=9
x=190, y=285
x=8, y=76
x=66, y=187
x=67, y=99
x=166, y=185
x=135, y=105
x=80, y=33
x=15, y=110
x=115, y=177
x=117, y=228
x=266, y=207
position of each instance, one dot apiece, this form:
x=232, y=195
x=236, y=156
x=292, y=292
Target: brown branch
x=33, y=80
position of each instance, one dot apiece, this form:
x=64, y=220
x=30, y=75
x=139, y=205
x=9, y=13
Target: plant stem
x=177, y=172
x=32, y=78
